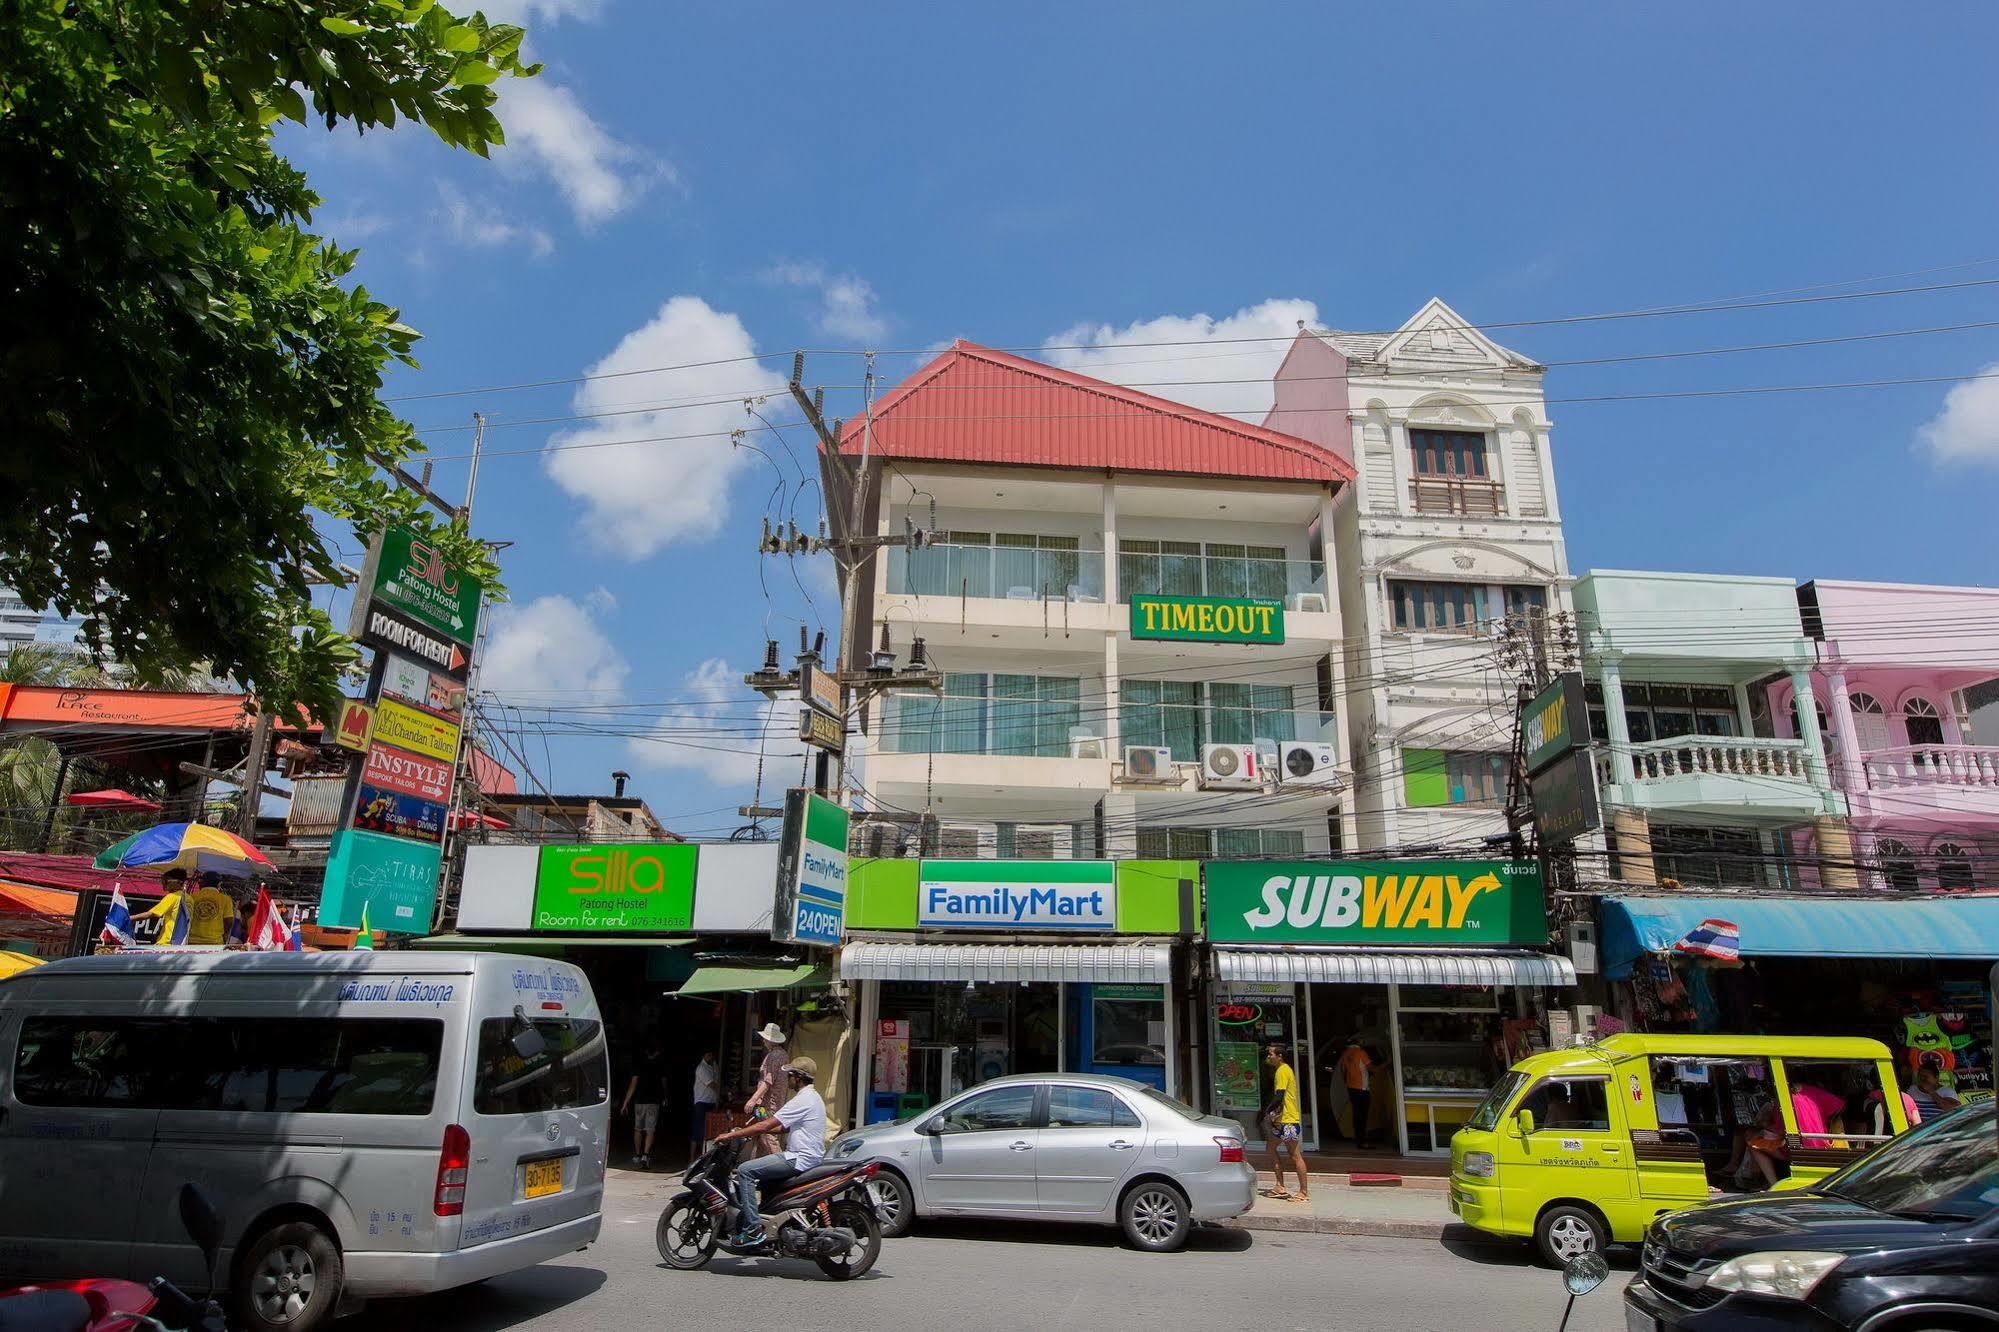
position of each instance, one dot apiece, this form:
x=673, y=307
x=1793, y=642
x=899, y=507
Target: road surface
x=957, y=1276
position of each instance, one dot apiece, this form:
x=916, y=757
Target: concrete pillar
x=1112, y=732
x=1745, y=716
x=1808, y=723
x=1111, y=592
x=1612, y=679
x=1634, y=846
x=1835, y=841
x=1120, y=826
x=1852, y=775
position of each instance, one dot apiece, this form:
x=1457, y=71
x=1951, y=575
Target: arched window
x=1897, y=863
x=1923, y=721
x=1870, y=721
x=1953, y=865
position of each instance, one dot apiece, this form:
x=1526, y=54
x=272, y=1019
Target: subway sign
x=619, y=887
x=1208, y=619
x=1442, y=902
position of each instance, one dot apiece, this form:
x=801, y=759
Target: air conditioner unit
x=1228, y=768
x=1147, y=763
x=1309, y=763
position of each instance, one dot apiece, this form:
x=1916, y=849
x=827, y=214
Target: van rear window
x=291, y=1065
x=570, y=1070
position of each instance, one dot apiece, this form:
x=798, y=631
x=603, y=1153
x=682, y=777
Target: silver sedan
x=1061, y=1147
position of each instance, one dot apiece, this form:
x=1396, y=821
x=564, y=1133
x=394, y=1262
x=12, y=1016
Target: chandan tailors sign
x=1443, y=902
x=1207, y=619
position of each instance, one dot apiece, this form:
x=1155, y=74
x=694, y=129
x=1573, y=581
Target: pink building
x=1922, y=792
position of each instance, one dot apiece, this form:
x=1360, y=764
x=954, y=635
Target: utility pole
x=254, y=765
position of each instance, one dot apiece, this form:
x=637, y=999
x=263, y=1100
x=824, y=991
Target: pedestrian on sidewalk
x=1283, y=1122
x=773, y=1088
x=644, y=1096
x=1357, y=1071
x=707, y=1095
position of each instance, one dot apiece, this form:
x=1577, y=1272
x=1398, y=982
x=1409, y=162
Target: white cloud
x=479, y=225
x=599, y=175
x=1205, y=348
x=641, y=496
x=549, y=645
x=1966, y=429
x=846, y=300
x=532, y=11
x=350, y=228
x=718, y=728
x=601, y=601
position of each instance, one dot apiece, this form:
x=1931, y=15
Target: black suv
x=1905, y=1238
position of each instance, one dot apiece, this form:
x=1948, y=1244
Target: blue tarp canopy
x=1963, y=928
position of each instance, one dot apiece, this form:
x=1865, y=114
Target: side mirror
x=1584, y=1273
x=1523, y=1121
x=932, y=1128
x=203, y=1225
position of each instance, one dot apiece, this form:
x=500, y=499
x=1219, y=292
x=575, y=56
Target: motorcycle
x=826, y=1214
x=102, y=1304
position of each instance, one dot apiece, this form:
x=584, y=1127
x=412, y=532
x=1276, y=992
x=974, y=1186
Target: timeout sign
x=613, y=888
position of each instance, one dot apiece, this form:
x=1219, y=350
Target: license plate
x=541, y=1178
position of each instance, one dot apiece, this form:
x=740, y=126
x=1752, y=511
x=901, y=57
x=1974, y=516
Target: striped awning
x=1146, y=964
x=1400, y=966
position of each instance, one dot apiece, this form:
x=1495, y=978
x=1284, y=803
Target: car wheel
x=895, y=1205
x=1566, y=1232
x=288, y=1280
x=1156, y=1217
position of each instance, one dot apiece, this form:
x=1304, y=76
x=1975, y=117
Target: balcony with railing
x=1716, y=774
x=1183, y=569
x=1911, y=781
x=1010, y=573
x=1473, y=496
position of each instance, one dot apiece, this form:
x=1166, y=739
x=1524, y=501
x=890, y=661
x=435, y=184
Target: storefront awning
x=1143, y=964
x=743, y=979
x=1964, y=928
x=1400, y=966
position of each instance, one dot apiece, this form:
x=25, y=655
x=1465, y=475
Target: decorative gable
x=1440, y=337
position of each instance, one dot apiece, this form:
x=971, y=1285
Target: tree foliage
x=187, y=375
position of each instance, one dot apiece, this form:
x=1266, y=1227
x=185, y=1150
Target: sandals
x=1276, y=1195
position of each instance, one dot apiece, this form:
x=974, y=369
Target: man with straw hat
x=773, y=1088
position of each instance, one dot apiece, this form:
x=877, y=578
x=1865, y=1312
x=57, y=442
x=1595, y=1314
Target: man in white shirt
x=802, y=1123
x=707, y=1095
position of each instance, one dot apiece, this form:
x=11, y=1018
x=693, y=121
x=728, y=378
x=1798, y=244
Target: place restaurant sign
x=1442, y=902
x=620, y=887
x=1207, y=619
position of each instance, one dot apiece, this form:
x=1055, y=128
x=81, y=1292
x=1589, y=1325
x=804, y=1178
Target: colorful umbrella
x=191, y=846
x=13, y=963
x=112, y=799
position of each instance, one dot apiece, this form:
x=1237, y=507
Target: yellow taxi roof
x=1629, y=1045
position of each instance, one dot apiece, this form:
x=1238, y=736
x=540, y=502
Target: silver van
x=367, y=1124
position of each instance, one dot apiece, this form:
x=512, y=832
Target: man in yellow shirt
x=210, y=910
x=1283, y=1123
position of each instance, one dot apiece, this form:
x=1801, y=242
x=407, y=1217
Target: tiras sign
x=1208, y=619
x=1384, y=902
x=1017, y=894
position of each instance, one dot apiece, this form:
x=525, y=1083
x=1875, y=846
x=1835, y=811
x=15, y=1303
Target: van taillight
x=1231, y=1149
x=454, y=1163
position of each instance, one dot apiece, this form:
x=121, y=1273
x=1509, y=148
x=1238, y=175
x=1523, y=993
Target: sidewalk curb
x=1363, y=1226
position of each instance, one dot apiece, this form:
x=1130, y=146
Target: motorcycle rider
x=802, y=1123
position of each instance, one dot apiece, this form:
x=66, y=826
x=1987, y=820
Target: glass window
x=1238, y=714
x=1953, y=866
x=1000, y=1108
x=375, y=1066
x=1486, y=1117
x=1087, y=1107
x=1164, y=713
x=1476, y=778
x=1942, y=1170
x=1522, y=598
x=1459, y=453
x=1569, y=1105
x=570, y=1070
x=1181, y=1108
x=100, y=1063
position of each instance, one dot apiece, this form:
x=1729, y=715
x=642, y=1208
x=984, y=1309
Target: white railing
x=1712, y=755
x=1932, y=765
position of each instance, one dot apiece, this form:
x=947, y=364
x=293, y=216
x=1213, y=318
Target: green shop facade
x=1177, y=973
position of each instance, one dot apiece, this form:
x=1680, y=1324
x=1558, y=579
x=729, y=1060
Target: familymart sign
x=1017, y=894
x=1441, y=902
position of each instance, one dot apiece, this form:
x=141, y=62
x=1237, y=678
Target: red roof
x=974, y=404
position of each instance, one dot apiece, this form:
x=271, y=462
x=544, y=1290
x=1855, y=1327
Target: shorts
x=645, y=1116
x=1287, y=1133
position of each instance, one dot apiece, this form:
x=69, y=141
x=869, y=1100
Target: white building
x=1202, y=722
x=21, y=623
x=1449, y=537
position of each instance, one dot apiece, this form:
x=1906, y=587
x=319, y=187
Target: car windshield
x=1948, y=1167
x=1180, y=1108
x=1487, y=1114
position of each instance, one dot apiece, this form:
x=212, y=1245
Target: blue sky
x=698, y=182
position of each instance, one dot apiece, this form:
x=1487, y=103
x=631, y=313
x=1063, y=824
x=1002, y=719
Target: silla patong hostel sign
x=615, y=888
x=1439, y=902
x=1207, y=619
x=1017, y=894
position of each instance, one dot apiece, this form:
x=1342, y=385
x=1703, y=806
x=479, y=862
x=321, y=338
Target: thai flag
x=117, y=922
x=269, y=930
x=1720, y=939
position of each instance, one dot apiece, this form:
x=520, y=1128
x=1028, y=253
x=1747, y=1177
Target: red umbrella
x=112, y=799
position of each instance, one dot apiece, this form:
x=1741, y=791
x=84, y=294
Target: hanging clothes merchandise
x=1707, y=1013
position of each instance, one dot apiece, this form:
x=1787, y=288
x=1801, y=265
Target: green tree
x=188, y=379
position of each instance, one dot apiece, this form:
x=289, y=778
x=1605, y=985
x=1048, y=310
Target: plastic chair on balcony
x=1019, y=593
x=1084, y=742
x=1308, y=601
x=1080, y=594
